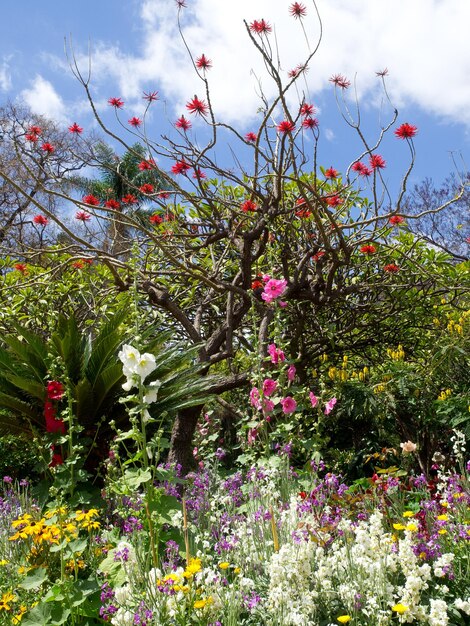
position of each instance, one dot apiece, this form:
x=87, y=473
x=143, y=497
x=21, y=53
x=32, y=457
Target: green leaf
x=34, y=580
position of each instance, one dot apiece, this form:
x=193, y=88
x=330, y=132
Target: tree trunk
x=181, y=450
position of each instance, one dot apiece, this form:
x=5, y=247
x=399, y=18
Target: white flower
x=145, y=365
x=152, y=392
x=135, y=363
x=129, y=357
x=438, y=614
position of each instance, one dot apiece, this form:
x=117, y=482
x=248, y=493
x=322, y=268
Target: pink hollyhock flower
x=269, y=387
x=282, y=304
x=252, y=434
x=288, y=405
x=329, y=406
x=276, y=354
x=273, y=289
x=313, y=399
x=268, y=406
x=254, y=398
x=291, y=373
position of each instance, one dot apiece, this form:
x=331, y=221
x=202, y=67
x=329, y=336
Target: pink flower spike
x=291, y=373
x=329, y=406
x=254, y=398
x=269, y=387
x=288, y=405
x=276, y=354
x=313, y=399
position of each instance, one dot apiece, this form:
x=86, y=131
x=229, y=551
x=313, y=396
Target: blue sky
x=135, y=47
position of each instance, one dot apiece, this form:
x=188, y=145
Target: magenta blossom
x=313, y=399
x=288, y=405
x=268, y=406
x=269, y=387
x=330, y=405
x=254, y=398
x=273, y=289
x=291, y=373
x=252, y=434
x=276, y=354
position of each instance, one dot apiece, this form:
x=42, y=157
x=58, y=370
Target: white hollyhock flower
x=145, y=365
x=152, y=392
x=130, y=357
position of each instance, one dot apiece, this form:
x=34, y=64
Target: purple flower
x=8, y=480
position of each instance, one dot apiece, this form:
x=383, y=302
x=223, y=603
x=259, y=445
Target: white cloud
x=5, y=76
x=423, y=43
x=43, y=99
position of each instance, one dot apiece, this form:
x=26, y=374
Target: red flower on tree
x=79, y=264
x=334, y=201
x=180, y=167
x=203, y=63
x=310, y=122
x=147, y=188
x=251, y=137
x=307, y=109
x=260, y=27
x=91, y=200
x=286, y=126
x=376, y=162
x=340, y=81
x=391, y=268
x=55, y=390
x=406, y=131
x=156, y=219
x=53, y=425
x=249, y=206
x=31, y=137
x=197, y=107
x=151, y=96
x=48, y=148
x=298, y=10
x=198, y=173
x=396, y=219
x=21, y=267
x=183, y=123
x=83, y=216
x=331, y=173
x=368, y=249
x=75, y=128
x=40, y=220
x=112, y=204
x=129, y=199
x=146, y=165
x=135, y=121
x=117, y=103
x=318, y=255
x=35, y=130
x=361, y=169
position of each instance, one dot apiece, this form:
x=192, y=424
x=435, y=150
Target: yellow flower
x=4, y=562
x=200, y=604
x=411, y=527
x=408, y=514
x=442, y=531
x=193, y=567
x=224, y=565
x=236, y=570
x=344, y=619
x=399, y=527
x=443, y=518
x=400, y=608
x=17, y=618
x=6, y=600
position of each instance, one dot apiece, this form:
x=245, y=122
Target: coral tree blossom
x=117, y=103
x=391, y=268
x=310, y=122
x=331, y=173
x=112, y=204
x=396, y=219
x=340, y=81
x=406, y=131
x=197, y=107
x=286, y=126
x=180, y=167
x=75, y=129
x=91, y=200
x=368, y=249
x=183, y=123
x=83, y=216
x=298, y=10
x=48, y=148
x=249, y=206
x=203, y=63
x=40, y=220
x=260, y=27
x=135, y=121
x=377, y=162
x=273, y=289
x=288, y=405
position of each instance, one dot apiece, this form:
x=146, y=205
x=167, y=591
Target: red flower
x=21, y=267
x=75, y=128
x=257, y=284
x=129, y=199
x=297, y=10
x=334, y=200
x=368, y=249
x=382, y=73
x=180, y=167
x=56, y=460
x=48, y=147
x=203, y=63
x=286, y=126
x=135, y=121
x=183, y=123
x=82, y=216
x=396, y=219
x=340, y=81
x=331, y=173
x=151, y=96
x=307, y=109
x=53, y=425
x=361, y=169
x=197, y=107
x=78, y=265
x=252, y=137
x=117, y=103
x=303, y=213
x=318, y=255
x=376, y=162
x=146, y=165
x=40, y=220
x=391, y=268
x=163, y=194
x=31, y=137
x=260, y=27
x=35, y=130
x=310, y=122
x=55, y=390
x=147, y=188
x=156, y=219
x=406, y=131
x=198, y=173
x=91, y=200
x=302, y=495
x=112, y=204
x=249, y=206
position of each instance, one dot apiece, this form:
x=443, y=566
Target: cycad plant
x=41, y=377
